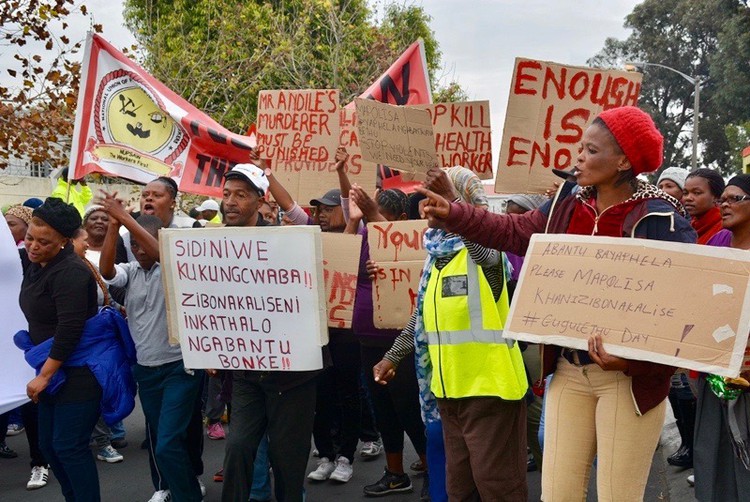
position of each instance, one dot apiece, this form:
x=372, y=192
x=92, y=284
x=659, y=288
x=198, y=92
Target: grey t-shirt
x=147, y=313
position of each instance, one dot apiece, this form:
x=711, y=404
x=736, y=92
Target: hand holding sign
x=604, y=359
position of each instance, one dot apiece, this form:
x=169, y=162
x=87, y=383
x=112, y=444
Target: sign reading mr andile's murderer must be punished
x=247, y=298
x=678, y=304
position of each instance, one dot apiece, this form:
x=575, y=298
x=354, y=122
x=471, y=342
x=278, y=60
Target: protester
x=18, y=219
x=479, y=381
x=672, y=181
x=597, y=404
x=279, y=403
x=519, y=204
x=722, y=450
x=58, y=296
x=168, y=391
x=69, y=191
x=703, y=187
x=396, y=405
x=267, y=212
x=209, y=211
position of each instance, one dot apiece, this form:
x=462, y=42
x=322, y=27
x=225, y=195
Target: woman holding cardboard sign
x=597, y=404
x=721, y=448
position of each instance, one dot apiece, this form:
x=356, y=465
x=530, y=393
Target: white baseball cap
x=250, y=173
x=208, y=205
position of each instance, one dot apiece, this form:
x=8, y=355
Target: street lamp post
x=696, y=81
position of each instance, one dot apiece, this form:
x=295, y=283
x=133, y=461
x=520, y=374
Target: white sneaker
x=161, y=496
x=371, y=449
x=203, y=487
x=691, y=480
x=343, y=471
x=324, y=470
x=39, y=476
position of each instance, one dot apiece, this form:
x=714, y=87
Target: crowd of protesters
x=473, y=403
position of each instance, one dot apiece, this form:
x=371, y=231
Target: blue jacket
x=107, y=349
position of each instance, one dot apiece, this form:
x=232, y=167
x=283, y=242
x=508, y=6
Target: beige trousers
x=590, y=412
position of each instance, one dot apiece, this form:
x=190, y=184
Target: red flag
x=406, y=82
x=128, y=124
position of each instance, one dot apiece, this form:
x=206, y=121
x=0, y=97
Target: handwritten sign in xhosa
x=246, y=298
x=395, y=136
x=678, y=304
x=398, y=249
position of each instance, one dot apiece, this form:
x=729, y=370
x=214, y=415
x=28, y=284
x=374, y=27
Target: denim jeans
x=261, y=489
x=64, y=433
x=168, y=395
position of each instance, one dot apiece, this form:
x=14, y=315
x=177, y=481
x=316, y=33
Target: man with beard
x=279, y=403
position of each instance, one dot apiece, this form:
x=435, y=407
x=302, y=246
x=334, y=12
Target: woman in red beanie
x=597, y=404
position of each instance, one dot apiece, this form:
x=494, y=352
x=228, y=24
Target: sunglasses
x=733, y=199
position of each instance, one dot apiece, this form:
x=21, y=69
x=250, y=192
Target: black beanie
x=741, y=181
x=63, y=217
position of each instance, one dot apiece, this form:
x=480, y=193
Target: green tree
x=701, y=38
x=219, y=53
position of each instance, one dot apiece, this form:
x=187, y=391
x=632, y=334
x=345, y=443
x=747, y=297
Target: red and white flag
x=128, y=124
x=406, y=82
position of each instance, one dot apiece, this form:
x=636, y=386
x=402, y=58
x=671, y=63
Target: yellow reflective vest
x=464, y=327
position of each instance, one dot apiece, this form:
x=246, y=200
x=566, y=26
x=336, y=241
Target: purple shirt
x=362, y=317
x=721, y=239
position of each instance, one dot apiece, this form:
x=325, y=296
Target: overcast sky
x=479, y=39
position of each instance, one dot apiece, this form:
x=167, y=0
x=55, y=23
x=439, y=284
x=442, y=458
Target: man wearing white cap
x=280, y=403
x=209, y=210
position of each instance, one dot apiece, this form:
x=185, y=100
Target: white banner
x=16, y=371
x=246, y=298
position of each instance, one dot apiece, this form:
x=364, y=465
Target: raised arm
x=115, y=208
x=280, y=195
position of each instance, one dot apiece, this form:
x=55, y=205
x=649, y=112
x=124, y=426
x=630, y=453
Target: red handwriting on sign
x=290, y=124
x=600, y=89
x=341, y=288
x=348, y=139
x=389, y=238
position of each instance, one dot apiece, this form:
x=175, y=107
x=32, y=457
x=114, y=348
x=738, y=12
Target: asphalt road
x=129, y=481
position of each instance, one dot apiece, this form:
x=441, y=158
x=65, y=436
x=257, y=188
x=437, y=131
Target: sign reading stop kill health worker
x=340, y=269
x=398, y=249
x=396, y=136
x=549, y=108
x=247, y=298
x=678, y=304
x=299, y=132
x=462, y=135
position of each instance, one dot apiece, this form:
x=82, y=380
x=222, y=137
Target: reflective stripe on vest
x=470, y=356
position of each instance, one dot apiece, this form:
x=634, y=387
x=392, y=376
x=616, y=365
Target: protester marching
x=332, y=305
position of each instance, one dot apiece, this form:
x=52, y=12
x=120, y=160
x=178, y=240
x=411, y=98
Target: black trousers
x=396, y=404
x=287, y=417
x=339, y=384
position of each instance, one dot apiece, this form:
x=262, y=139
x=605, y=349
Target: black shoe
x=389, y=483
x=119, y=444
x=6, y=452
x=424, y=496
x=682, y=458
x=531, y=465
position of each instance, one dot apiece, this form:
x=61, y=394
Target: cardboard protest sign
x=462, y=135
x=246, y=298
x=395, y=136
x=549, y=107
x=678, y=304
x=16, y=371
x=130, y=125
x=340, y=270
x=358, y=170
x=299, y=132
x=398, y=249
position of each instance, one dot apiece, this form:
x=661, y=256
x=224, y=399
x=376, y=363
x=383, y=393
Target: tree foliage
x=708, y=39
x=219, y=53
x=36, y=109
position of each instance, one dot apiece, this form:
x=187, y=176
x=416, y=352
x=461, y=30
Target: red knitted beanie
x=638, y=137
